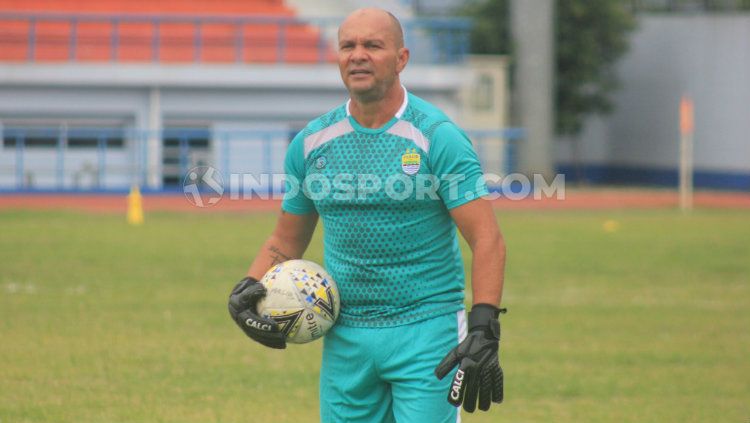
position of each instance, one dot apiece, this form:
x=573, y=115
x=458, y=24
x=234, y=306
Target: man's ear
x=403, y=59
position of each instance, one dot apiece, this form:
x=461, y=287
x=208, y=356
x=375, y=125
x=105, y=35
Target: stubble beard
x=374, y=93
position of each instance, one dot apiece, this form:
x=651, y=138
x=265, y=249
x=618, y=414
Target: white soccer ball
x=302, y=298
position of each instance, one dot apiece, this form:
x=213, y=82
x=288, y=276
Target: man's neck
x=375, y=114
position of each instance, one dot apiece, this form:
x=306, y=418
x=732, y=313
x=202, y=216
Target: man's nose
x=358, y=54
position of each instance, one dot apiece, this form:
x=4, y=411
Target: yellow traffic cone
x=135, y=206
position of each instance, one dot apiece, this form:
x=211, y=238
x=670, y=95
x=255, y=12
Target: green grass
x=102, y=322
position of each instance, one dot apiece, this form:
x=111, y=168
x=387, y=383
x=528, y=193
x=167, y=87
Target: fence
x=112, y=159
x=34, y=37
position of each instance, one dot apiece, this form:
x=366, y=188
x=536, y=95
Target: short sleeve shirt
x=383, y=196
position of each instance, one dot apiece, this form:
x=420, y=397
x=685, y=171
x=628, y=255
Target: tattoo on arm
x=278, y=256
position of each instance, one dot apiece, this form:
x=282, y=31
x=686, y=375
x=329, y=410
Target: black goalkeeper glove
x=479, y=373
x=243, y=308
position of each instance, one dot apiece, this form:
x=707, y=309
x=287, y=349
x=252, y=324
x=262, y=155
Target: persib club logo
x=410, y=161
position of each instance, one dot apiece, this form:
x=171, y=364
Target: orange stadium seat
x=180, y=41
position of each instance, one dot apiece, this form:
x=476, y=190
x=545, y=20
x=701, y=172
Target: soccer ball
x=302, y=298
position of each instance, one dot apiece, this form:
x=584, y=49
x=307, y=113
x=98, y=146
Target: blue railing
x=32, y=37
x=111, y=159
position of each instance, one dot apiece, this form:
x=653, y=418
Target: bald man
x=392, y=178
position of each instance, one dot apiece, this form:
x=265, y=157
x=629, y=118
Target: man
x=393, y=252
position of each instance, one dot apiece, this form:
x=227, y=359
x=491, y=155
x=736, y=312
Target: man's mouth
x=359, y=72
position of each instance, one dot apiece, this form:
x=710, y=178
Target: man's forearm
x=488, y=270
x=288, y=241
x=273, y=252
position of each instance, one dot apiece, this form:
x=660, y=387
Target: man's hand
x=479, y=373
x=242, y=308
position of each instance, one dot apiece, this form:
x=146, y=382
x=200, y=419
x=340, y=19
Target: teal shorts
x=386, y=375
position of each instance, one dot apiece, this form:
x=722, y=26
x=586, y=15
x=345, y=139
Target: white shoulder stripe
x=321, y=137
x=406, y=130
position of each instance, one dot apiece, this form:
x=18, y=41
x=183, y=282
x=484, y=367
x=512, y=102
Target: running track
x=595, y=199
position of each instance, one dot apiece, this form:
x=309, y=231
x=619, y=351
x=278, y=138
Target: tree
x=590, y=36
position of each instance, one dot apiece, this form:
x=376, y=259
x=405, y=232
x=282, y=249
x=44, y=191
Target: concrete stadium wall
x=705, y=56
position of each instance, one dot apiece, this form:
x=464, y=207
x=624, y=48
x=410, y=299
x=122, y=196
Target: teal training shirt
x=384, y=197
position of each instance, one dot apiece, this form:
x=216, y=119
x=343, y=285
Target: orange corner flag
x=686, y=115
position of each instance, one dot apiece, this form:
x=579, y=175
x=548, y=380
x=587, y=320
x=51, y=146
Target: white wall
x=705, y=56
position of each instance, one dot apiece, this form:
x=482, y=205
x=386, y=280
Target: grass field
x=648, y=321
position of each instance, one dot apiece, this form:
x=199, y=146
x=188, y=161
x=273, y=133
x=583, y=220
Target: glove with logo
x=479, y=373
x=243, y=308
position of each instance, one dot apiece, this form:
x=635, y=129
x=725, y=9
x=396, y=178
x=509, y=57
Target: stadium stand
x=259, y=31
